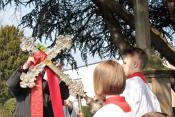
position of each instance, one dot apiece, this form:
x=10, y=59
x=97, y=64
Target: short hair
x=139, y=52
x=109, y=78
x=155, y=114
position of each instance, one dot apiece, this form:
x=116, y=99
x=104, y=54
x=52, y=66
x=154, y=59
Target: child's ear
x=135, y=64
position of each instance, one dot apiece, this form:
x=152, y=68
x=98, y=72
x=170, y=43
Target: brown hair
x=139, y=52
x=109, y=78
x=155, y=114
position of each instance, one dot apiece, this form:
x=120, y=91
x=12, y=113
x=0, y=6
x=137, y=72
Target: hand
x=69, y=105
x=29, y=61
x=80, y=114
x=67, y=102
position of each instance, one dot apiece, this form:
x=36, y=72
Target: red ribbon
x=37, y=99
x=119, y=101
x=54, y=89
x=140, y=75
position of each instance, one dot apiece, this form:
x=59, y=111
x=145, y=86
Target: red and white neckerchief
x=140, y=75
x=119, y=101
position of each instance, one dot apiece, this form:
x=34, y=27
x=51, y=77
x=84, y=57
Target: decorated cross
x=28, y=79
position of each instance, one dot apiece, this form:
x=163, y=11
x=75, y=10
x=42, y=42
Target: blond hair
x=109, y=78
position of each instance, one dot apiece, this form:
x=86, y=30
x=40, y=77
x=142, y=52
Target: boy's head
x=108, y=78
x=134, y=60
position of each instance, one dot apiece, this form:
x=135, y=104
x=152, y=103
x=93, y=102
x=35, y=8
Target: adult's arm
x=13, y=83
x=64, y=91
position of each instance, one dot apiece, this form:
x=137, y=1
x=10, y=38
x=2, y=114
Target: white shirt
x=140, y=97
x=112, y=110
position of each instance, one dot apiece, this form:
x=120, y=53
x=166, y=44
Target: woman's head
x=109, y=78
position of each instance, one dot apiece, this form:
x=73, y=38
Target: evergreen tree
x=10, y=56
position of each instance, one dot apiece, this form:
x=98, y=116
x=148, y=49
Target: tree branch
x=171, y=7
x=113, y=26
x=156, y=39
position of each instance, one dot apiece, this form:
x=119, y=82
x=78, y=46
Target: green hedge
x=86, y=111
x=8, y=108
x=1, y=110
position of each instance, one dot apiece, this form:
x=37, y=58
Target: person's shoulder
x=112, y=110
x=135, y=81
x=109, y=110
x=134, y=85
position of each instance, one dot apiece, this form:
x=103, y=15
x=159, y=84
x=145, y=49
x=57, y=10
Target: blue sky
x=12, y=16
